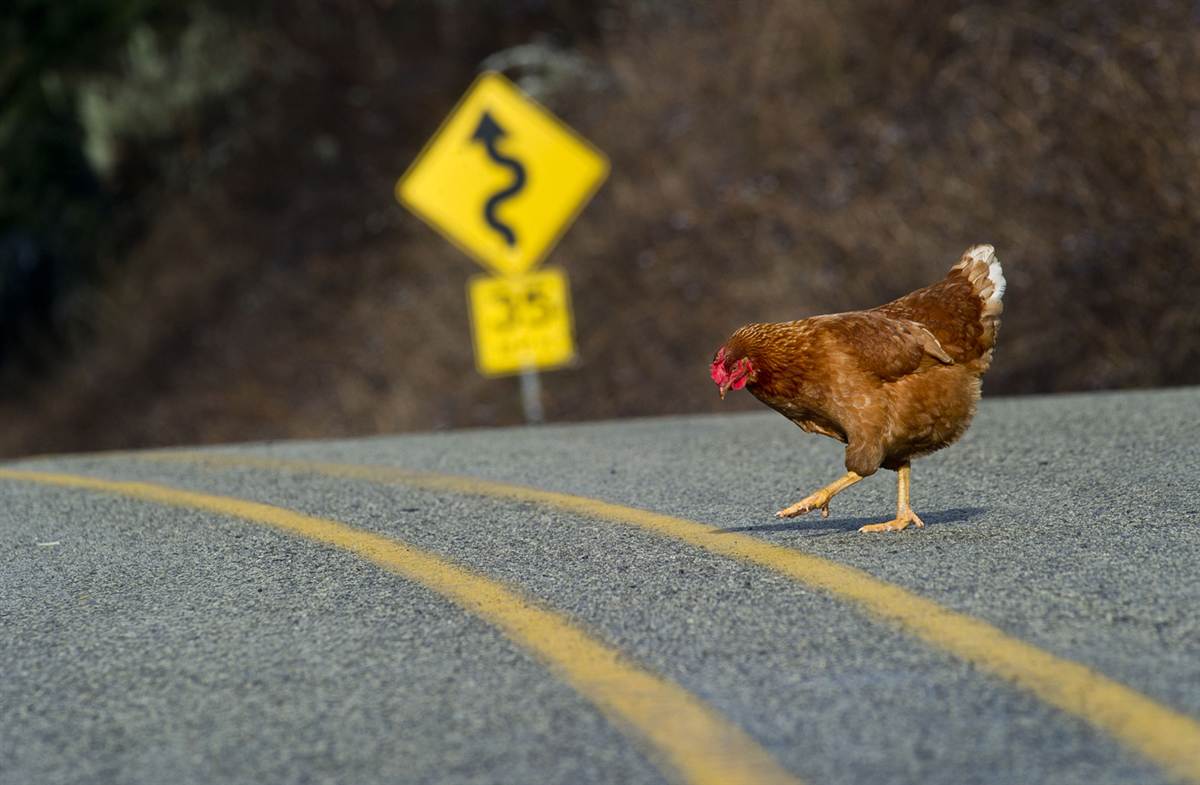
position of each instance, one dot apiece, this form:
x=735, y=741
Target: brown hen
x=893, y=383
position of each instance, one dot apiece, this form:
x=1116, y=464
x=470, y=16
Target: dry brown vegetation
x=771, y=160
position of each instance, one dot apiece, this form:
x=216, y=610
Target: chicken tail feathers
x=983, y=270
x=962, y=310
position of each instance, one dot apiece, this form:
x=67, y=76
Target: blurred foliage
x=157, y=83
x=53, y=211
x=772, y=159
x=78, y=82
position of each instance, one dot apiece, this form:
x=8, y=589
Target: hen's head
x=731, y=370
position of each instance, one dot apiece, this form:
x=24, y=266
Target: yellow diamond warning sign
x=521, y=323
x=502, y=178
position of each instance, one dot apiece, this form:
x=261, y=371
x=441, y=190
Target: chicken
x=892, y=383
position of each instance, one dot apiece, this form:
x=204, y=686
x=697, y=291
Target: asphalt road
x=158, y=640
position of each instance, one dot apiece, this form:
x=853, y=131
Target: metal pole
x=531, y=396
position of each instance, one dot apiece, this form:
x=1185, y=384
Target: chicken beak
x=724, y=389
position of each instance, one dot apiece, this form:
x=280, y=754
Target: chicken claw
x=904, y=512
x=898, y=523
x=814, y=501
x=819, y=500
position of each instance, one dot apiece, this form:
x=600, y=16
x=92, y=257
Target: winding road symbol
x=502, y=178
x=488, y=133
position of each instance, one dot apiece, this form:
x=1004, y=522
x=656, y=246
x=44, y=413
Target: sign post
x=531, y=396
x=502, y=179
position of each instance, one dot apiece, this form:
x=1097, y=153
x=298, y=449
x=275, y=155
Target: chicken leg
x=904, y=513
x=819, y=500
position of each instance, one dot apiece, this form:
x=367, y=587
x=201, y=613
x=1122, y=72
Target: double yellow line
x=686, y=736
x=1165, y=736
x=680, y=732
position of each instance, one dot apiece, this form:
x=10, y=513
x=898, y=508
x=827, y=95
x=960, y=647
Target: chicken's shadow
x=814, y=523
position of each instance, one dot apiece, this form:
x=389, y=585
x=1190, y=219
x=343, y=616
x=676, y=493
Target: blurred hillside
x=199, y=243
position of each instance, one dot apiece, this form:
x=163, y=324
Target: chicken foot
x=819, y=500
x=904, y=512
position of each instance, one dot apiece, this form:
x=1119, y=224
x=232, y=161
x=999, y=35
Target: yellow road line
x=685, y=736
x=1161, y=734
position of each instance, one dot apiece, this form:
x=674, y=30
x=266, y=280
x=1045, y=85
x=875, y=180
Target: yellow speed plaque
x=521, y=323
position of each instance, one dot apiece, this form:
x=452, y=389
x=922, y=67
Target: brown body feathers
x=894, y=382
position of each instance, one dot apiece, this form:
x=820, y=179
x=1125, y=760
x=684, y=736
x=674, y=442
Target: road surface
x=612, y=603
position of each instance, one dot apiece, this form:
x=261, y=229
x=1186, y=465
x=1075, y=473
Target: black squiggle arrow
x=488, y=133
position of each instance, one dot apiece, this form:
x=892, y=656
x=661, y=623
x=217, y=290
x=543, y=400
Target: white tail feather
x=986, y=254
x=982, y=270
